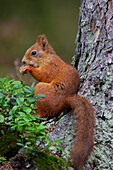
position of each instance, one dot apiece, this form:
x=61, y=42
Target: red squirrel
x=59, y=82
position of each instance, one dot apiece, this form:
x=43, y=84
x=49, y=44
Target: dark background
x=21, y=21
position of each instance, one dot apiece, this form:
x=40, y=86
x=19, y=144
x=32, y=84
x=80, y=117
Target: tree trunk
x=94, y=60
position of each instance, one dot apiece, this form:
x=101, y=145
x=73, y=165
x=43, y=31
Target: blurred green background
x=21, y=21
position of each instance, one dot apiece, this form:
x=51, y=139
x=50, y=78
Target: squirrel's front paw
x=23, y=69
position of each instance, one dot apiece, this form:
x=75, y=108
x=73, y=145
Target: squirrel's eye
x=33, y=53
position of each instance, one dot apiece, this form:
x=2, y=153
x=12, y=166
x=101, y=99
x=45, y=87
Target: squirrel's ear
x=42, y=41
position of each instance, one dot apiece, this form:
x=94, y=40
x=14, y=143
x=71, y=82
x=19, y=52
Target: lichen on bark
x=64, y=131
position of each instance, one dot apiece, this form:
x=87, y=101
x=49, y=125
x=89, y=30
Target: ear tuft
x=42, y=41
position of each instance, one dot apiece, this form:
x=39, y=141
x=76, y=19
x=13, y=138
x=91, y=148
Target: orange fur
x=59, y=82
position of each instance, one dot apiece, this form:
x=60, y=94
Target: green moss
x=8, y=146
x=49, y=162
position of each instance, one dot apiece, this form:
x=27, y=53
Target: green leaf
x=5, y=79
x=11, y=81
x=20, y=128
x=20, y=144
x=1, y=88
x=42, y=126
x=30, y=148
x=14, y=109
x=10, y=112
x=28, y=89
x=31, y=99
x=27, y=134
x=7, y=99
x=1, y=95
x=57, y=146
x=27, y=109
x=57, y=141
x=15, y=87
x=21, y=114
x=19, y=140
x=17, y=82
x=2, y=132
x=28, y=143
x=1, y=118
x=39, y=95
x=19, y=93
x=4, y=104
x=20, y=100
x=2, y=159
x=10, y=117
x=13, y=127
x=42, y=132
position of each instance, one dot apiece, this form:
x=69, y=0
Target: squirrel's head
x=38, y=53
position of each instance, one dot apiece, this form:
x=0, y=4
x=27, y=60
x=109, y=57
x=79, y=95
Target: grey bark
x=94, y=60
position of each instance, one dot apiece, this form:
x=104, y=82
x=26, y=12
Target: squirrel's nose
x=23, y=61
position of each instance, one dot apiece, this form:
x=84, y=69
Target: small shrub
x=17, y=104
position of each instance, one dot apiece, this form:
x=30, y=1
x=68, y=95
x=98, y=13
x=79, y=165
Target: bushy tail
x=85, y=122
